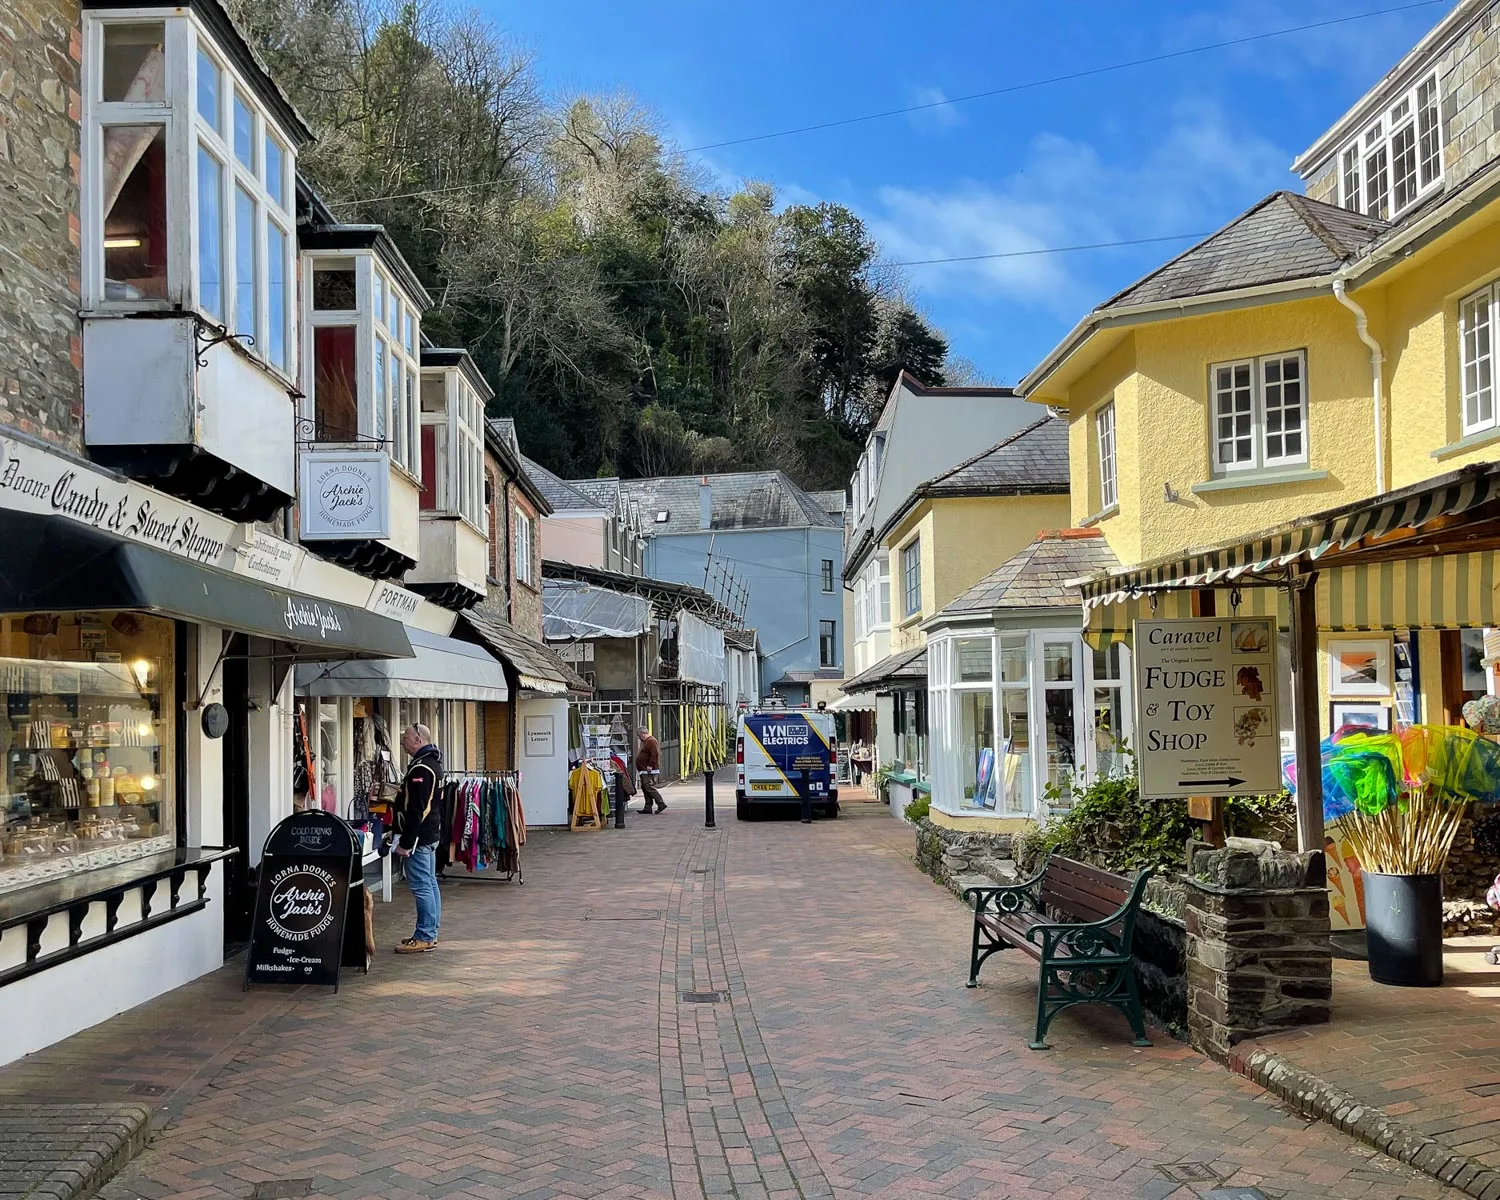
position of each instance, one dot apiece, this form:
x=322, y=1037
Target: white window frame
x=394, y=396
x=1260, y=433
x=185, y=130
x=1476, y=358
x=1109, y=463
x=1412, y=120
x=523, y=546
x=945, y=719
x=883, y=591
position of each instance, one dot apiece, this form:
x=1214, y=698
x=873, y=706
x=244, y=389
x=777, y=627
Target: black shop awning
x=54, y=564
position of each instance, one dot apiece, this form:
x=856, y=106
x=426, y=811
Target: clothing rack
x=490, y=830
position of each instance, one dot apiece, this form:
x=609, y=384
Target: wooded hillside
x=632, y=318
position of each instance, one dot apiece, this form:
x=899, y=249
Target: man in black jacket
x=419, y=829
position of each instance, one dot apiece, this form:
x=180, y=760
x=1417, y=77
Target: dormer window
x=1397, y=159
x=187, y=176
x=361, y=339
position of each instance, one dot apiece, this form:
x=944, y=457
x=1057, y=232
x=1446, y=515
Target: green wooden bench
x=1078, y=923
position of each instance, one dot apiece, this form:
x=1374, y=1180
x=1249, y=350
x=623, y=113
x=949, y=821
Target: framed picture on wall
x=1375, y=717
x=1359, y=668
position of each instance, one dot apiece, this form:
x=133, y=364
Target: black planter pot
x=1404, y=927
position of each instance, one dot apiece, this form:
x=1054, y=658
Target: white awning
x=444, y=669
x=864, y=702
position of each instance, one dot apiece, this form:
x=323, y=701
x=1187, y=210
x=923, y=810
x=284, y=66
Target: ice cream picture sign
x=1205, y=702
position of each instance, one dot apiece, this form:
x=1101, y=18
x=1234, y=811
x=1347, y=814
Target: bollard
x=806, y=800
x=708, y=799
x=620, y=800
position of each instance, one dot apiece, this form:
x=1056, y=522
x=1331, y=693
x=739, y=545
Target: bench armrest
x=1089, y=940
x=1008, y=897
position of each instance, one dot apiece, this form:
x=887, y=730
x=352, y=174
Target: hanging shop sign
x=344, y=494
x=303, y=904
x=1206, y=717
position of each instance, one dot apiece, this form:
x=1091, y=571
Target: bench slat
x=1079, y=906
x=1112, y=889
x=1098, y=874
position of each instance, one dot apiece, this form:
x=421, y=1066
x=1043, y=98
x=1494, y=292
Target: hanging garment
x=515, y=829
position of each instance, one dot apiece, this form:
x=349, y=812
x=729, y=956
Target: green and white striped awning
x=1449, y=591
x=1264, y=556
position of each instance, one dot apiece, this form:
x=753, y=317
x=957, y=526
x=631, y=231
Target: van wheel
x=741, y=809
x=833, y=811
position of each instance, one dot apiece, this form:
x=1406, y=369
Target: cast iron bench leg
x=1133, y=1011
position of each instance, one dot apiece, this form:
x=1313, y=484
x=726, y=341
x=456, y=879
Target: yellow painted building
x=1318, y=351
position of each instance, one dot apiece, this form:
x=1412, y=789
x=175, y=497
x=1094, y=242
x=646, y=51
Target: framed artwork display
x=1376, y=716
x=1359, y=669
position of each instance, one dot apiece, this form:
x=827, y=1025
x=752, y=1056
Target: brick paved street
x=547, y=1050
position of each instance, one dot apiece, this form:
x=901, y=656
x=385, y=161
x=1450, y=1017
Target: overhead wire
x=1009, y=89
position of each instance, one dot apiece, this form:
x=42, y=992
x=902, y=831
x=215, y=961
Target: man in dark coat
x=419, y=829
x=648, y=770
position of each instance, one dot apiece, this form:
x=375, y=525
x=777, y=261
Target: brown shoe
x=412, y=946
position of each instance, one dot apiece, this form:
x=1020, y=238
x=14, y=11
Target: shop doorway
x=239, y=893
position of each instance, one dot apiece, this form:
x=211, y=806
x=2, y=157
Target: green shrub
x=1111, y=826
x=918, y=808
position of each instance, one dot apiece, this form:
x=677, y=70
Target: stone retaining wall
x=952, y=857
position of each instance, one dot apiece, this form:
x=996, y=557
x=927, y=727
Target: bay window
x=1021, y=716
x=1259, y=410
x=1397, y=158
x=452, y=436
x=185, y=204
x=361, y=341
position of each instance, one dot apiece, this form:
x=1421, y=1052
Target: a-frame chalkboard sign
x=309, y=907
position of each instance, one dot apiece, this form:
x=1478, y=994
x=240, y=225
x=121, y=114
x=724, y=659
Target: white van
x=778, y=751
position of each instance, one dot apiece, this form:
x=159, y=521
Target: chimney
x=705, y=503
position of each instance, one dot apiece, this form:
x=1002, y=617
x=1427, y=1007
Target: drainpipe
x=1377, y=360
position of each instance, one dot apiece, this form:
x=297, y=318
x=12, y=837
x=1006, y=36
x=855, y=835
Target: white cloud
x=939, y=114
x=1067, y=193
x=1360, y=50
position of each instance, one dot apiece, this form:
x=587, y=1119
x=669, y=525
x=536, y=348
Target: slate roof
x=1037, y=576
x=742, y=500
x=559, y=493
x=1035, y=460
x=1284, y=237
x=907, y=665
x=833, y=503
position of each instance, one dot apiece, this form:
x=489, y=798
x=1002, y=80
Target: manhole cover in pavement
x=1189, y=1172
x=703, y=870
x=1236, y=1193
x=651, y=914
x=1484, y=1089
x=704, y=997
x=148, y=1089
x=281, y=1189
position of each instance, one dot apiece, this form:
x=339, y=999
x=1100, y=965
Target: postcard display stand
x=309, y=907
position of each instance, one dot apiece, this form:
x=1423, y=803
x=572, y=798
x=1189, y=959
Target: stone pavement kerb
x=67, y=1151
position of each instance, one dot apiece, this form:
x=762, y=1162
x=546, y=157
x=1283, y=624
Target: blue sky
x=1169, y=148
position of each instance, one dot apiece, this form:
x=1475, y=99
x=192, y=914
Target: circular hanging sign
x=215, y=720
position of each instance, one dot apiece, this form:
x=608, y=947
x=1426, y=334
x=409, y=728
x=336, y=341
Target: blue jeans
x=421, y=877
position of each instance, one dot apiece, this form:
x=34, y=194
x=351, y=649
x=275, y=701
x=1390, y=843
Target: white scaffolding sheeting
x=577, y=611
x=700, y=651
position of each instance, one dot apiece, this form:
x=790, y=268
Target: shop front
x=896, y=689
x=1023, y=710
x=141, y=690
x=1383, y=606
x=532, y=731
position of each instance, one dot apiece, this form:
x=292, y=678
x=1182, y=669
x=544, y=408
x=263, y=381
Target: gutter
x=1161, y=310
x=1377, y=360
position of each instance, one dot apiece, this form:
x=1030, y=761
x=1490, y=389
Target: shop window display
x=86, y=743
